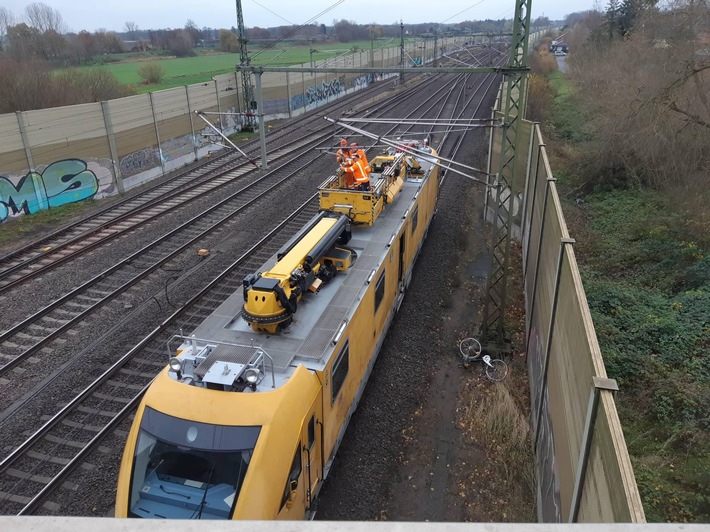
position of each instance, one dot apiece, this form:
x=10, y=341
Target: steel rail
x=176, y=187
x=237, y=196
x=119, y=364
x=140, y=216
x=102, y=433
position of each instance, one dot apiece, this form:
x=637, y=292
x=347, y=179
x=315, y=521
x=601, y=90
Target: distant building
x=136, y=46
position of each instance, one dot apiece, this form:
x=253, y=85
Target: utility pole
x=492, y=333
x=401, y=51
x=372, y=47
x=436, y=47
x=247, y=89
x=312, y=50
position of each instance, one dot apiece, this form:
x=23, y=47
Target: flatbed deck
x=309, y=338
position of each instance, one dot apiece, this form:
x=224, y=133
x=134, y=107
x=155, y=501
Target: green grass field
x=189, y=70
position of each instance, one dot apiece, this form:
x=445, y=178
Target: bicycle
x=496, y=369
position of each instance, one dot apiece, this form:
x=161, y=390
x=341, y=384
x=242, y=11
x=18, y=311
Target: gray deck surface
x=319, y=315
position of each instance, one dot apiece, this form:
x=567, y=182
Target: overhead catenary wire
x=417, y=152
x=201, y=115
x=297, y=28
x=451, y=122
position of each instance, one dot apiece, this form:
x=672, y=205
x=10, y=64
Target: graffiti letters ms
x=62, y=182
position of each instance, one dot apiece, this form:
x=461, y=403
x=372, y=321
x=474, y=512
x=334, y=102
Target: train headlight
x=252, y=375
x=175, y=364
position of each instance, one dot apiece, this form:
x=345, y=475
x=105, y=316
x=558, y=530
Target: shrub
x=90, y=86
x=151, y=72
x=31, y=85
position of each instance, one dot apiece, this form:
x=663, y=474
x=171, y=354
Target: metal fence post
x=192, y=124
x=288, y=94
x=117, y=178
x=523, y=217
x=532, y=207
x=600, y=384
x=157, y=133
x=219, y=108
x=262, y=127
x=25, y=143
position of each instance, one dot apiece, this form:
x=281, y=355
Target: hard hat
x=353, y=145
x=343, y=142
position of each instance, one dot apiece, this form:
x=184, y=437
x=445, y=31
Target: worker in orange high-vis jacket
x=344, y=151
x=359, y=154
x=362, y=176
x=346, y=167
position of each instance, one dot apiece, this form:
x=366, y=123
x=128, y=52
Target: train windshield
x=188, y=470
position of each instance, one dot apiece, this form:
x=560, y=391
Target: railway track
x=75, y=240
x=21, y=342
x=33, y=462
x=44, y=460
x=31, y=335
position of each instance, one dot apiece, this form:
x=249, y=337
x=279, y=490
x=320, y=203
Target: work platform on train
x=363, y=206
x=308, y=339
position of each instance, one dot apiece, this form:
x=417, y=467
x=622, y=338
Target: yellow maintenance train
x=245, y=421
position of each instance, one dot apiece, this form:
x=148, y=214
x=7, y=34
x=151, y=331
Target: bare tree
x=649, y=110
x=193, y=31
x=180, y=43
x=7, y=19
x=131, y=29
x=23, y=42
x=151, y=72
x=80, y=47
x=45, y=38
x=44, y=18
x=228, y=41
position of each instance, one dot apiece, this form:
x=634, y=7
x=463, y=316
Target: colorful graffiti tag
x=62, y=182
x=318, y=93
x=363, y=81
x=139, y=161
x=324, y=91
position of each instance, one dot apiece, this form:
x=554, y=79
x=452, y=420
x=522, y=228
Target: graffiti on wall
x=324, y=91
x=228, y=123
x=298, y=101
x=176, y=147
x=316, y=94
x=363, y=81
x=60, y=183
x=139, y=161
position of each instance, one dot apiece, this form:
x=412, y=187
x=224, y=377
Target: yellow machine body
x=386, y=180
x=291, y=393
x=271, y=298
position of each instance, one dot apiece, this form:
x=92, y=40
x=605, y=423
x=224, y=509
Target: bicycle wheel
x=496, y=370
x=470, y=349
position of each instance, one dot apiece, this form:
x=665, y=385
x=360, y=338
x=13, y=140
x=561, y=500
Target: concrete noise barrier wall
x=583, y=468
x=51, y=157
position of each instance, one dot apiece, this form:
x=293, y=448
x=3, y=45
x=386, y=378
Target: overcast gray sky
x=158, y=14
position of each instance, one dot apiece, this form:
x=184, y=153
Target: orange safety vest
x=347, y=167
x=360, y=155
x=342, y=154
x=362, y=177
